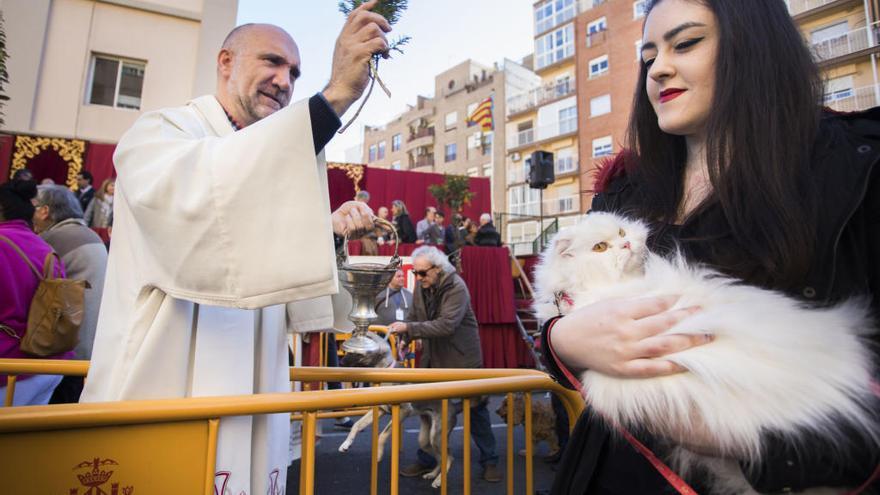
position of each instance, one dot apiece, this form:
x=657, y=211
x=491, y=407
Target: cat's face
x=603, y=248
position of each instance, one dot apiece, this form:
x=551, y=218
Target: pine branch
x=391, y=10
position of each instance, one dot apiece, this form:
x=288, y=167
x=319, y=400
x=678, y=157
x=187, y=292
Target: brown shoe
x=491, y=473
x=414, y=470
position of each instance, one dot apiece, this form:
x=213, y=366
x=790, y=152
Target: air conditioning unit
x=516, y=157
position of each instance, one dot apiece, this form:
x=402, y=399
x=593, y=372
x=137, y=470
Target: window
x=487, y=143
x=451, y=120
x=487, y=170
x=470, y=111
x=395, y=142
x=639, y=8
x=450, y=152
x=473, y=172
x=116, y=82
x=372, y=153
x=839, y=88
x=600, y=105
x=523, y=201
x=831, y=32
x=598, y=66
x=596, y=26
x=395, y=165
x=567, y=120
x=602, y=146
x=564, y=85
x=553, y=13
x=565, y=161
x=554, y=46
x=381, y=154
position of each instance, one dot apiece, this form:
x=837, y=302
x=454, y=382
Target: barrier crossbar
x=31, y=431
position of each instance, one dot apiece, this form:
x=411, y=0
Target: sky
x=444, y=33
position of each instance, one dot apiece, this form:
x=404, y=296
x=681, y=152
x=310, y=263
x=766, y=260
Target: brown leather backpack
x=56, y=311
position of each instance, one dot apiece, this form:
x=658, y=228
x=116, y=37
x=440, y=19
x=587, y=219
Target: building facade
x=843, y=36
x=434, y=135
x=86, y=69
x=545, y=117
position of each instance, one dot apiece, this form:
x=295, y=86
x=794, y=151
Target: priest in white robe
x=222, y=241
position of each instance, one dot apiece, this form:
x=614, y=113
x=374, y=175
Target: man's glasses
x=421, y=273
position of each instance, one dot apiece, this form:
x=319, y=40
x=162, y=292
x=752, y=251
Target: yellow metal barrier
x=133, y=434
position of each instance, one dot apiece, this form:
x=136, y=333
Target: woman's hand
x=622, y=337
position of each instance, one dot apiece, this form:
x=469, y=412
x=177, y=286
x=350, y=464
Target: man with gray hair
x=58, y=219
x=442, y=317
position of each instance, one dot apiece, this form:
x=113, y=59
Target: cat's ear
x=562, y=247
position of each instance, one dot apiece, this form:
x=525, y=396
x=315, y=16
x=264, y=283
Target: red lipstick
x=670, y=94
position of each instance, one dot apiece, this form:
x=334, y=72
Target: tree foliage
x=453, y=193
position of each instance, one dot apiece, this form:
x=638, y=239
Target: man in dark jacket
x=443, y=318
x=487, y=235
x=86, y=193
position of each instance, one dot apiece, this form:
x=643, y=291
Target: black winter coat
x=847, y=263
x=405, y=229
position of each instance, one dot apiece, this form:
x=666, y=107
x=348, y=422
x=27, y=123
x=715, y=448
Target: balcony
x=798, y=7
x=423, y=132
x=516, y=175
x=537, y=97
x=542, y=134
x=423, y=161
x=596, y=38
x=846, y=44
x=562, y=205
x=854, y=100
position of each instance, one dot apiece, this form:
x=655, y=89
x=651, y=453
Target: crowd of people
x=431, y=230
x=43, y=225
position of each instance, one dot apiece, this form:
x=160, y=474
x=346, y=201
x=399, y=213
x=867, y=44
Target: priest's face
x=258, y=72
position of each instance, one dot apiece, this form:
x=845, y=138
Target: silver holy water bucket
x=364, y=281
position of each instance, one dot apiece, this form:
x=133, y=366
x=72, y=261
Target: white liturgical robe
x=222, y=243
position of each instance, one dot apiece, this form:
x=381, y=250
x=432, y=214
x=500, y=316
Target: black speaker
x=541, y=170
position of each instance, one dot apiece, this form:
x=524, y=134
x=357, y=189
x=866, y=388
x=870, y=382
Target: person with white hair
x=487, y=235
x=58, y=219
x=442, y=317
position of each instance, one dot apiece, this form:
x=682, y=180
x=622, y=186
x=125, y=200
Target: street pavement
x=349, y=473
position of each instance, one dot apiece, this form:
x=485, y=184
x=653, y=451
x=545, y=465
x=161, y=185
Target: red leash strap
x=673, y=479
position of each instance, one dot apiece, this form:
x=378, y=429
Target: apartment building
x=843, y=36
x=86, y=69
x=545, y=117
x=608, y=50
x=434, y=134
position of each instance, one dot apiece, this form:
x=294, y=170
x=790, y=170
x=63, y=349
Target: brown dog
x=543, y=420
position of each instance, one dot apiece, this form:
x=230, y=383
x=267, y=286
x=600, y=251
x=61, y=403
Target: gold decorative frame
x=70, y=150
x=353, y=171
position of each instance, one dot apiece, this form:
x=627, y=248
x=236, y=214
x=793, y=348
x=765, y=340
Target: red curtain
x=99, y=161
x=386, y=185
x=6, y=145
x=488, y=275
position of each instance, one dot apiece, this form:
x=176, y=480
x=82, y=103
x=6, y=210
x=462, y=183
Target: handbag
x=56, y=310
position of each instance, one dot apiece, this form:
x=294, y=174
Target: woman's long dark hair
x=760, y=135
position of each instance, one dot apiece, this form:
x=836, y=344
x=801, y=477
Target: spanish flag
x=482, y=115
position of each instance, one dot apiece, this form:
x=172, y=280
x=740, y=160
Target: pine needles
x=391, y=10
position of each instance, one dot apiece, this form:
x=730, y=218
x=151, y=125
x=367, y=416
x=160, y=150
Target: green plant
x=4, y=75
x=453, y=193
x=391, y=10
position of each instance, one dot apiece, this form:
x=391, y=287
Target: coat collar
x=213, y=112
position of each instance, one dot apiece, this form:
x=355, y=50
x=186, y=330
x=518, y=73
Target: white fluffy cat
x=775, y=364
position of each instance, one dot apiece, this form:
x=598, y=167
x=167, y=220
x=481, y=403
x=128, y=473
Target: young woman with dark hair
x=732, y=159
